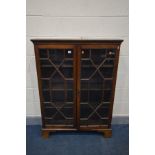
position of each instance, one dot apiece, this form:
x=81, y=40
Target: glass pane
x=86, y=73
x=69, y=84
x=95, y=96
x=107, y=95
x=103, y=110
x=109, y=62
x=70, y=96
x=57, y=85
x=46, y=72
x=45, y=63
x=86, y=110
x=67, y=111
x=67, y=72
x=43, y=53
x=84, y=85
x=98, y=55
x=46, y=96
x=96, y=82
x=56, y=56
x=107, y=84
x=57, y=96
x=45, y=84
x=50, y=111
x=107, y=72
x=84, y=96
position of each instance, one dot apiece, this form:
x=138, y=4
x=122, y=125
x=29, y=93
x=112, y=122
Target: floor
x=78, y=143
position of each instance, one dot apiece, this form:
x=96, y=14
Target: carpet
x=77, y=143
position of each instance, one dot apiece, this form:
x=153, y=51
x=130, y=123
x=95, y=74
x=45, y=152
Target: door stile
x=37, y=62
x=114, y=84
x=75, y=86
x=78, y=67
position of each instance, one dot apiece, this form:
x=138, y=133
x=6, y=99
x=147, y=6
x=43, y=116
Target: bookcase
x=76, y=80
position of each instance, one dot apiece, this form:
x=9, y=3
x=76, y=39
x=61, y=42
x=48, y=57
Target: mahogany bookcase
x=76, y=80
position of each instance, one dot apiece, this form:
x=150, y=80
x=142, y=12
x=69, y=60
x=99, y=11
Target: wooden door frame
x=58, y=46
x=96, y=46
x=78, y=67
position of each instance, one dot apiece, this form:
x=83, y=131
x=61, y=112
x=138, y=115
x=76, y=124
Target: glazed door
x=95, y=84
x=57, y=84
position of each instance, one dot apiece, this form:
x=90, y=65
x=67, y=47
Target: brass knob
x=82, y=52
